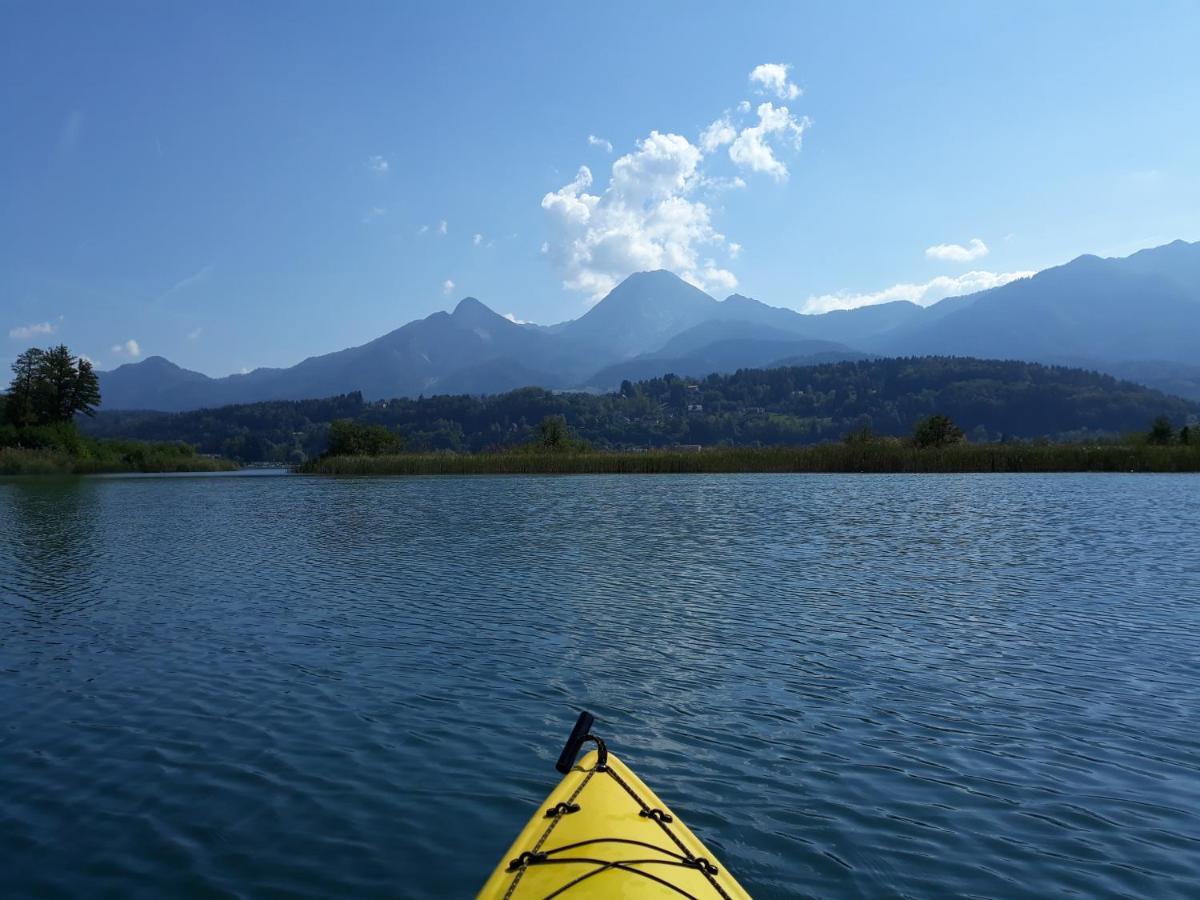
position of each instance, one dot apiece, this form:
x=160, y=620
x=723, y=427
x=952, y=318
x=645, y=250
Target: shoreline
x=15, y=462
x=872, y=458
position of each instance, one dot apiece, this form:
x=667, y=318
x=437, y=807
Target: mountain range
x=1136, y=317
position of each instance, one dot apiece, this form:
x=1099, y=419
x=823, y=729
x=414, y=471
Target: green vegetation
x=350, y=438
x=937, y=445
x=555, y=436
x=108, y=456
x=875, y=456
x=38, y=435
x=50, y=386
x=937, y=431
x=992, y=402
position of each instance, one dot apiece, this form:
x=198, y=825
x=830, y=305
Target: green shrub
x=350, y=438
x=937, y=431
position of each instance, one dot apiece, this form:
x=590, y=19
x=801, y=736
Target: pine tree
x=22, y=406
x=51, y=386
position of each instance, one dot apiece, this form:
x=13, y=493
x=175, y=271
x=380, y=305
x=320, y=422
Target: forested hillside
x=991, y=400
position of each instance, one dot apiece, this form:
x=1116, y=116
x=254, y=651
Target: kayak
x=603, y=833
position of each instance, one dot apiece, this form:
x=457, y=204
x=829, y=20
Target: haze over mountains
x=1136, y=317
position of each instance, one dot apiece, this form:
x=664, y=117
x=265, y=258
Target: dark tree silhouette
x=51, y=386
x=937, y=431
x=1161, y=431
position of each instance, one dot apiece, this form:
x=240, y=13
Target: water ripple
x=974, y=686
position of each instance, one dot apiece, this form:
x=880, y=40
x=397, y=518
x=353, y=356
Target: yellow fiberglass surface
x=603, y=833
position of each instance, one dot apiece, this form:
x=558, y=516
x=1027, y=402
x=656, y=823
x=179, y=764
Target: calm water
x=847, y=686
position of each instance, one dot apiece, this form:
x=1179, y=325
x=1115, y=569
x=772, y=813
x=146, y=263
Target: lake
x=846, y=685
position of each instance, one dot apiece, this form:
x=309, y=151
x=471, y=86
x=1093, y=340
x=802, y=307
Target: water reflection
x=53, y=547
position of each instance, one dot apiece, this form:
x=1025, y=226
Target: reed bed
x=25, y=461
x=881, y=457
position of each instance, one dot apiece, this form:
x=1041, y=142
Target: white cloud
x=600, y=142
x=477, y=239
x=424, y=229
x=129, y=348
x=374, y=214
x=648, y=216
x=718, y=134
x=447, y=286
x=734, y=249
x=643, y=220
x=719, y=184
x=184, y=283
x=443, y=227
x=195, y=334
x=378, y=165
x=752, y=149
x=773, y=77
x=512, y=317
x=975, y=249
x=924, y=294
x=37, y=329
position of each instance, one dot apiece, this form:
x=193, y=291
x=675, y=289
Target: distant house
x=695, y=407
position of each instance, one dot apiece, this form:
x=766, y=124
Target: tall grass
x=881, y=456
x=123, y=456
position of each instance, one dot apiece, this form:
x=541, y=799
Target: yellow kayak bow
x=603, y=833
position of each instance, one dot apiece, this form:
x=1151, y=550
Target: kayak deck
x=603, y=833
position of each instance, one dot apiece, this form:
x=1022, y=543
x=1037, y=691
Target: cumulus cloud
x=447, y=286
x=773, y=77
x=477, y=239
x=378, y=164
x=975, y=249
x=923, y=294
x=195, y=334
x=512, y=317
x=752, y=148
x=718, y=134
x=129, y=348
x=645, y=219
x=36, y=329
x=600, y=142
x=649, y=214
x=443, y=227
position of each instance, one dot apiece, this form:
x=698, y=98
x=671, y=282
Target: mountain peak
x=474, y=313
x=470, y=304
x=153, y=363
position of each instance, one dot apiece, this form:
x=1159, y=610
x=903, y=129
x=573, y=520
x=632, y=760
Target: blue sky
x=232, y=185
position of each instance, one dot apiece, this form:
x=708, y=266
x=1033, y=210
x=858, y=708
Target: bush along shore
x=91, y=457
x=937, y=445
x=881, y=457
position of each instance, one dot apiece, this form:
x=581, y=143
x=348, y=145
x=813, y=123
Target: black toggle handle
x=579, y=734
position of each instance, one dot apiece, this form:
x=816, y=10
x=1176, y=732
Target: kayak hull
x=603, y=833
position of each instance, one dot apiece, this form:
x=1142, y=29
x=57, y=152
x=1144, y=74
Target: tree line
x=987, y=400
